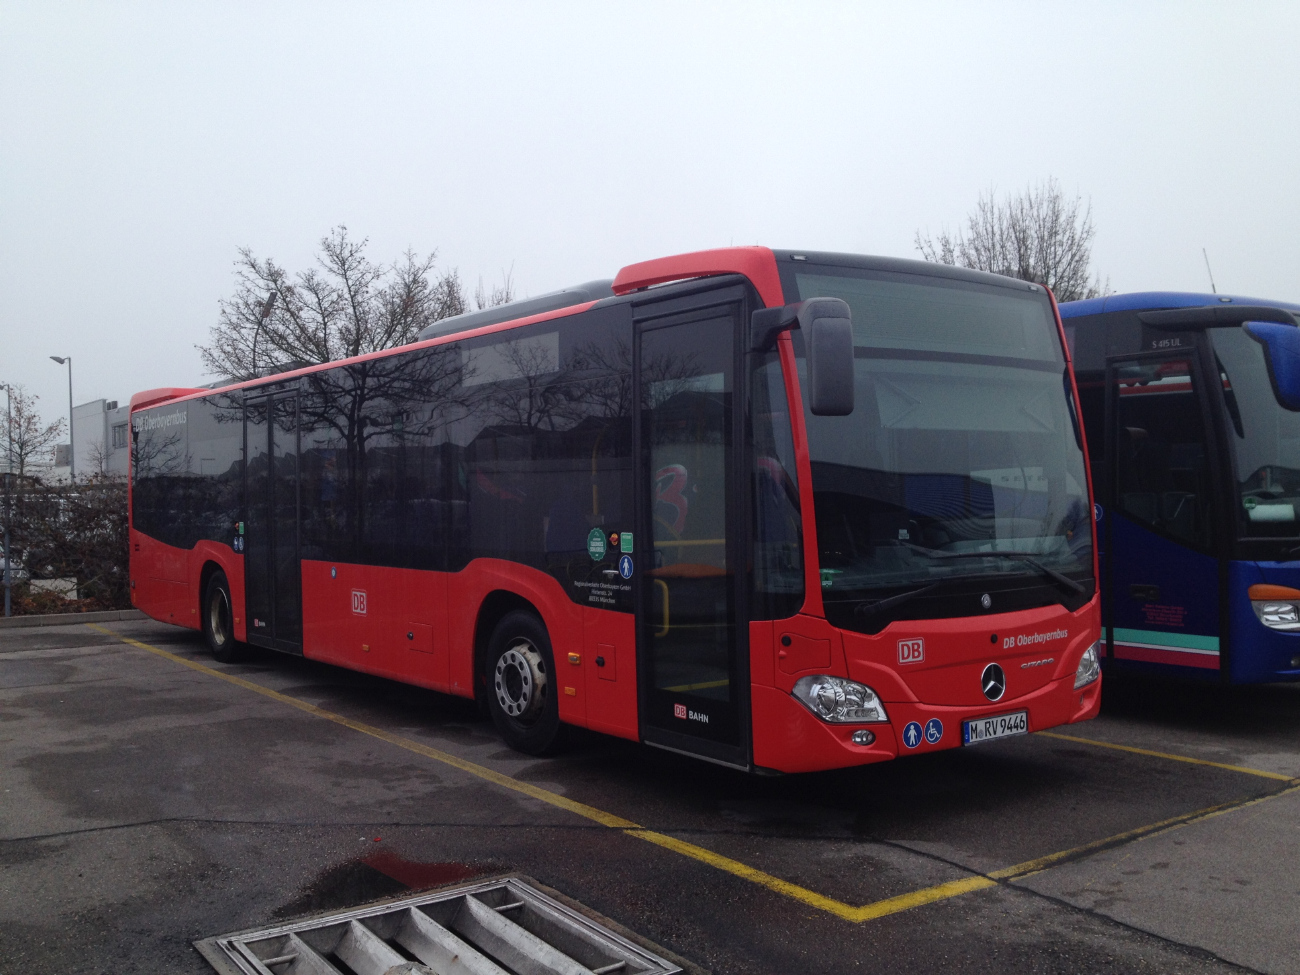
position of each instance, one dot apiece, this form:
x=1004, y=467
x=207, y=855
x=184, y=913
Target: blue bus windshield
x=1264, y=438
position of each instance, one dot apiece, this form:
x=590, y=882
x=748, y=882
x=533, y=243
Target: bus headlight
x=839, y=700
x=1276, y=615
x=1089, y=667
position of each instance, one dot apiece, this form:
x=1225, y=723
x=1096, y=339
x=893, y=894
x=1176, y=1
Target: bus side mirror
x=827, y=328
x=1282, y=354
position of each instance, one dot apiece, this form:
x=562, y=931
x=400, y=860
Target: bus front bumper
x=789, y=738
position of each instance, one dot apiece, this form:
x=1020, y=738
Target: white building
x=101, y=437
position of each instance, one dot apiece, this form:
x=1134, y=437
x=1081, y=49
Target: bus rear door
x=272, y=574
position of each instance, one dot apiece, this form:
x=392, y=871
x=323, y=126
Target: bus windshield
x=962, y=459
x=1264, y=438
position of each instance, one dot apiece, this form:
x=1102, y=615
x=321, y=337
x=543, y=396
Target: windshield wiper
x=871, y=609
x=1029, y=558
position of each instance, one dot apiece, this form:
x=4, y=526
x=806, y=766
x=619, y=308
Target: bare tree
x=27, y=438
x=1037, y=236
x=501, y=294
x=346, y=306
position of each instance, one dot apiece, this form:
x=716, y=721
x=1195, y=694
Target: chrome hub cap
x=218, y=617
x=520, y=681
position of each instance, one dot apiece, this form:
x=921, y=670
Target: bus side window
x=1160, y=457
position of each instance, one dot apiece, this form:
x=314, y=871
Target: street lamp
x=72, y=444
x=9, y=472
x=262, y=314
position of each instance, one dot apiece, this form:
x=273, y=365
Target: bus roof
x=759, y=264
x=1149, y=300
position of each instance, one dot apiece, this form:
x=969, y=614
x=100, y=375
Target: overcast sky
x=142, y=145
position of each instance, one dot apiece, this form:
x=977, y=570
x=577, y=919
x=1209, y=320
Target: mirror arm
x=767, y=323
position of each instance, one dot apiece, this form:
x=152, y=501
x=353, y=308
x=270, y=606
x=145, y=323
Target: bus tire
x=521, y=689
x=218, y=620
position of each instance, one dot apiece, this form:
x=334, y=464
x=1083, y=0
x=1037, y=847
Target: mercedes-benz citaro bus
x=780, y=511
x=1190, y=404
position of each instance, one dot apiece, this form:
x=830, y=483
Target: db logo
x=911, y=651
x=679, y=711
x=359, y=602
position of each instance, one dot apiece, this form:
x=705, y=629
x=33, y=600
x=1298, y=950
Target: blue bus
x=1191, y=407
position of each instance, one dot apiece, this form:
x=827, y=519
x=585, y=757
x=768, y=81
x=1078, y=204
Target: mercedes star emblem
x=986, y=601
x=994, y=682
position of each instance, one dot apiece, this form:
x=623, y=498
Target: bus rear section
x=772, y=510
x=1195, y=437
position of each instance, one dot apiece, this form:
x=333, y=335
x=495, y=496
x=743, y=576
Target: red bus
x=776, y=510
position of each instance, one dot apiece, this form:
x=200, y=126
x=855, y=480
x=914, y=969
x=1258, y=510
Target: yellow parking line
x=866, y=912
x=1168, y=755
x=497, y=778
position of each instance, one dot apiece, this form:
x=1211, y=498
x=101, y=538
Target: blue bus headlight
x=839, y=699
x=1276, y=615
x=1089, y=667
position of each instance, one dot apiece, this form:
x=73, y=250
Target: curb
x=66, y=619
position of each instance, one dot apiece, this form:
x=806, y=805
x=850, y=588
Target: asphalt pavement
x=152, y=797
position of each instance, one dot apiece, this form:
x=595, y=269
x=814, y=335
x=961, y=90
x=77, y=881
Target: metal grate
x=503, y=927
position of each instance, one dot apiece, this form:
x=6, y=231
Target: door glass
x=257, y=530
x=284, y=473
x=1161, y=467
x=688, y=590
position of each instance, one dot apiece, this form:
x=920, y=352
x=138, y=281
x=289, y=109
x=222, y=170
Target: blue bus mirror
x=827, y=328
x=1282, y=354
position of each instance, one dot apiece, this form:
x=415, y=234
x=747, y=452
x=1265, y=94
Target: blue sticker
x=625, y=567
x=912, y=734
x=1096, y=512
x=933, y=731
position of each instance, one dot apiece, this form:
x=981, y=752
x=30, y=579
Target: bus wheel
x=521, y=684
x=218, y=621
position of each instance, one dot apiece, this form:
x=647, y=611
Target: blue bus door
x=1163, y=579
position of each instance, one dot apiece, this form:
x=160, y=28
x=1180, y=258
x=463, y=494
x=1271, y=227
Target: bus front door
x=1163, y=578
x=272, y=578
x=693, y=697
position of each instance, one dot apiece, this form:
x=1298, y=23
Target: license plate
x=1000, y=726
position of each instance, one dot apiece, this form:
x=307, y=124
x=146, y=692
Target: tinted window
x=511, y=446
x=542, y=450
x=1161, y=462
x=907, y=311
x=1264, y=439
x=216, y=467
x=159, y=470
x=962, y=445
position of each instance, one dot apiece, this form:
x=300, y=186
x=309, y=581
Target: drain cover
x=503, y=927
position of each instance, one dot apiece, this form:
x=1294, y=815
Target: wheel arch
x=209, y=569
x=495, y=606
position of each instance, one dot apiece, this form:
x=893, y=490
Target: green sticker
x=625, y=543
x=596, y=544
x=1249, y=503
